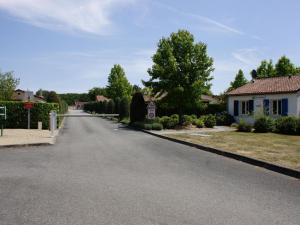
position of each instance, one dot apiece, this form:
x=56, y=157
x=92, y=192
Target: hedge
x=17, y=115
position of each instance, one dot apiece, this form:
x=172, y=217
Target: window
x=245, y=107
x=277, y=107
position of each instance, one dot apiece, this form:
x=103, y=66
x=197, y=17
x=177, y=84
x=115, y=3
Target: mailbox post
x=2, y=117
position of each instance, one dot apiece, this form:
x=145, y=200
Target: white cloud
x=88, y=16
x=249, y=56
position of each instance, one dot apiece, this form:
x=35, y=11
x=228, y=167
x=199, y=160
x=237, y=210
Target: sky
x=71, y=45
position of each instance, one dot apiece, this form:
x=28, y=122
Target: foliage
x=287, y=125
x=8, y=84
x=244, y=127
x=239, y=80
x=17, y=115
x=125, y=121
x=111, y=107
x=169, y=122
x=209, y=120
x=147, y=125
x=266, y=69
x=124, y=108
x=187, y=120
x=118, y=85
x=224, y=119
x=212, y=109
x=98, y=107
x=70, y=98
x=264, y=124
x=136, y=88
x=137, y=108
x=199, y=123
x=157, y=126
x=182, y=69
x=117, y=105
x=96, y=91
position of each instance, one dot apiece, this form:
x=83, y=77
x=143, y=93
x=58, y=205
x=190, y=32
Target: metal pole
x=2, y=129
x=28, y=114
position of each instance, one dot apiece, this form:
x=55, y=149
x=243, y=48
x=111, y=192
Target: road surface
x=102, y=173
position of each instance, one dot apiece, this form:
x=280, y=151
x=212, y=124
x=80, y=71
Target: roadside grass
x=279, y=149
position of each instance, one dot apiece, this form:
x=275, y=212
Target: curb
x=255, y=162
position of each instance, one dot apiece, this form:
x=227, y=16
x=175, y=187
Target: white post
x=53, y=122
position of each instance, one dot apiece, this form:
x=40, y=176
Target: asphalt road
x=101, y=173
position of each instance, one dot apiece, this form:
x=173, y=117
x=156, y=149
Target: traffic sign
x=151, y=108
x=28, y=105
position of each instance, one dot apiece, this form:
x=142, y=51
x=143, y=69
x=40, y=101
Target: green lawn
x=275, y=148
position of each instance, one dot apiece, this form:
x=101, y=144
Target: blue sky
x=70, y=45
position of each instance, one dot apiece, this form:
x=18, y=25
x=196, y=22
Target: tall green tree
x=285, y=67
x=266, y=69
x=239, y=80
x=118, y=85
x=8, y=84
x=181, y=68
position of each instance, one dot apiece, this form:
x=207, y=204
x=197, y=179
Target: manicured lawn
x=276, y=148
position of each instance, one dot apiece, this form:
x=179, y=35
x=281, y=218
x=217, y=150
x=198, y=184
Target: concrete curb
x=255, y=162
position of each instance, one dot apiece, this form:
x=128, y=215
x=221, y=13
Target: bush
x=124, y=108
x=157, y=126
x=199, y=123
x=194, y=119
x=244, y=127
x=125, y=121
x=169, y=122
x=224, y=119
x=187, y=120
x=287, y=125
x=137, y=108
x=17, y=115
x=209, y=120
x=264, y=124
x=147, y=126
x=110, y=107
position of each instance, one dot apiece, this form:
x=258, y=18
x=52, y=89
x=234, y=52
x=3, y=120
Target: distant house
x=24, y=96
x=79, y=105
x=101, y=98
x=275, y=97
x=210, y=99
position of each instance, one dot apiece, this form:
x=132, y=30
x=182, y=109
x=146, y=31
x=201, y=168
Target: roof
x=273, y=85
x=209, y=98
x=101, y=98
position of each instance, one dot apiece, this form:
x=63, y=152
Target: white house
x=276, y=96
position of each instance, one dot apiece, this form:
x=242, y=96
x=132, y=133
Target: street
x=100, y=172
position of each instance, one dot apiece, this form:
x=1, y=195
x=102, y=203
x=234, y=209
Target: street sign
x=151, y=108
x=28, y=105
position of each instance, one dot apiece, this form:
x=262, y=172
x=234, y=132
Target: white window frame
x=278, y=111
x=244, y=103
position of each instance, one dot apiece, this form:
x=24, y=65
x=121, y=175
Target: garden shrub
x=287, y=125
x=199, y=123
x=194, y=119
x=137, y=108
x=224, y=119
x=124, y=108
x=110, y=106
x=244, y=127
x=209, y=120
x=147, y=126
x=264, y=124
x=125, y=121
x=17, y=115
x=157, y=126
x=298, y=126
x=187, y=120
x=169, y=122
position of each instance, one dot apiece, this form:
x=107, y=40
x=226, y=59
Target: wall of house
x=293, y=105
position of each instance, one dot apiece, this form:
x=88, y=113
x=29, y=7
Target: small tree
x=266, y=69
x=285, y=67
x=8, y=84
x=137, y=108
x=124, y=108
x=239, y=80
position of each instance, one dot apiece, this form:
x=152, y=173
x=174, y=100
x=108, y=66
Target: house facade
x=24, y=96
x=275, y=97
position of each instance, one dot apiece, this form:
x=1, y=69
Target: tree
x=110, y=106
x=53, y=97
x=96, y=91
x=8, y=84
x=239, y=80
x=182, y=69
x=118, y=85
x=124, y=108
x=285, y=67
x=136, y=88
x=137, y=108
x=266, y=69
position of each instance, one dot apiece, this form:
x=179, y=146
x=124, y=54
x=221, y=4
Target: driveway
x=102, y=173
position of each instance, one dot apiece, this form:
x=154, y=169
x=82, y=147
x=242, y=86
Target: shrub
x=209, y=120
x=117, y=105
x=187, y=120
x=264, y=124
x=137, y=108
x=138, y=124
x=147, y=126
x=287, y=125
x=110, y=106
x=124, y=108
x=169, y=122
x=224, y=119
x=157, y=126
x=199, y=123
x=17, y=115
x=125, y=121
x=298, y=126
x=244, y=127
x=194, y=119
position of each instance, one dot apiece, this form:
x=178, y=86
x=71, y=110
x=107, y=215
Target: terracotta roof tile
x=272, y=85
x=101, y=98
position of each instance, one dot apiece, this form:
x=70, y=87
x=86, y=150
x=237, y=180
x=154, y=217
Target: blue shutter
x=251, y=106
x=267, y=106
x=236, y=108
x=285, y=107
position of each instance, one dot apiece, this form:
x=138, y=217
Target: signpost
x=151, y=108
x=28, y=106
x=2, y=117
